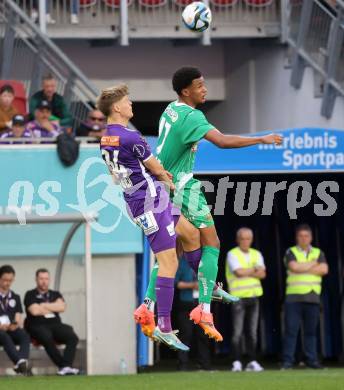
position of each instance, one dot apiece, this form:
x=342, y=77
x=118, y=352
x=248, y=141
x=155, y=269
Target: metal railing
x=316, y=35
x=155, y=18
x=27, y=54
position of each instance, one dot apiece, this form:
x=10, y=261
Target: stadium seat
x=20, y=100
x=87, y=3
x=116, y=3
x=183, y=3
x=152, y=3
x=224, y=3
x=258, y=3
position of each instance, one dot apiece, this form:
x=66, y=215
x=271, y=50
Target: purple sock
x=194, y=258
x=164, y=288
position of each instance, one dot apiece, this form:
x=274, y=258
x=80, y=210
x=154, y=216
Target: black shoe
x=22, y=368
x=315, y=366
x=286, y=366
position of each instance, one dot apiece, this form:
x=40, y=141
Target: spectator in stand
x=18, y=129
x=41, y=126
x=187, y=287
x=306, y=266
x=94, y=125
x=7, y=111
x=43, y=307
x=245, y=269
x=11, y=323
x=35, y=15
x=59, y=109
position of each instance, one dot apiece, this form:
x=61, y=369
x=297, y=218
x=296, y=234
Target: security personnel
x=244, y=270
x=306, y=265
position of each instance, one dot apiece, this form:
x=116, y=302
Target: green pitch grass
x=328, y=379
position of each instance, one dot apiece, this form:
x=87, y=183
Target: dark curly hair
x=183, y=78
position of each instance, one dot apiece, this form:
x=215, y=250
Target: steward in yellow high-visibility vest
x=244, y=270
x=304, y=283
x=247, y=286
x=306, y=265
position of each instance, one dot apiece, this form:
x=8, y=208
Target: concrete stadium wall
x=259, y=96
x=114, y=331
x=248, y=81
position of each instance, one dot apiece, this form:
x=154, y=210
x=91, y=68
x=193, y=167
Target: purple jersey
x=124, y=151
x=38, y=131
x=9, y=134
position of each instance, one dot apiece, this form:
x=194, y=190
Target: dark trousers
x=186, y=332
x=245, y=314
x=9, y=340
x=307, y=314
x=49, y=335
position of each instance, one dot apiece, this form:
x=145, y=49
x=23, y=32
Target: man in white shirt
x=244, y=270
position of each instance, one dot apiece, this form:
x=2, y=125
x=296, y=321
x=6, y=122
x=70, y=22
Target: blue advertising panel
x=306, y=149
x=34, y=180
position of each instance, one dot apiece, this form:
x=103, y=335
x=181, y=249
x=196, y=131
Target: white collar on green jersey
x=178, y=104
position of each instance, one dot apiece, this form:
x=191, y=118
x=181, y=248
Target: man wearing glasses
x=94, y=125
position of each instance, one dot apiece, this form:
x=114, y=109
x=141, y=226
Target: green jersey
x=180, y=128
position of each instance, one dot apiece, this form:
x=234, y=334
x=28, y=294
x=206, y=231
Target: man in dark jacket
x=59, y=109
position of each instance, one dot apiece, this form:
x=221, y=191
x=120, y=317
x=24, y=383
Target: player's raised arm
x=227, y=141
x=155, y=167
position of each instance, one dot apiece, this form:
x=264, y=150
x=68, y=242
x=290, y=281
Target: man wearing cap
x=244, y=270
x=41, y=126
x=306, y=265
x=59, y=108
x=18, y=129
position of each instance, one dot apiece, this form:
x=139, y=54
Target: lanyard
x=4, y=303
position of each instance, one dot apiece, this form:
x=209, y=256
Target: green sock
x=150, y=293
x=207, y=272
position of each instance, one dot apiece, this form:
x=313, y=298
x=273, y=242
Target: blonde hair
x=109, y=96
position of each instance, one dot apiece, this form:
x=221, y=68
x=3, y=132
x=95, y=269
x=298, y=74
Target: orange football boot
x=206, y=322
x=145, y=318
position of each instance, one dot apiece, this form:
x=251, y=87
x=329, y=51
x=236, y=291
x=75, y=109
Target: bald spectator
x=244, y=270
x=7, y=110
x=94, y=125
x=59, y=109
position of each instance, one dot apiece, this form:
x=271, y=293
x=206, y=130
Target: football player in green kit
x=181, y=127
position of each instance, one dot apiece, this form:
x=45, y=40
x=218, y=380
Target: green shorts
x=191, y=200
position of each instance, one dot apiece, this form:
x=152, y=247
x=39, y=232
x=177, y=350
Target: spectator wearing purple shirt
x=41, y=126
x=18, y=129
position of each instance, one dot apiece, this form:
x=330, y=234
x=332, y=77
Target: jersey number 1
x=163, y=126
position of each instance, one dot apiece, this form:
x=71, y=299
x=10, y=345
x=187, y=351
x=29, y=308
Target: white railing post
x=88, y=277
x=124, y=39
x=42, y=10
x=206, y=41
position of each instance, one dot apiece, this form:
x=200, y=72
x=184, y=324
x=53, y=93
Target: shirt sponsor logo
x=139, y=150
x=172, y=114
x=147, y=223
x=12, y=303
x=110, y=140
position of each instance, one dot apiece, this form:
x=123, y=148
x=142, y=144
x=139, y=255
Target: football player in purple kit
x=143, y=180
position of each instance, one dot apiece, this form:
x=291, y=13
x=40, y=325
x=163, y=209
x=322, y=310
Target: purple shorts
x=157, y=219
